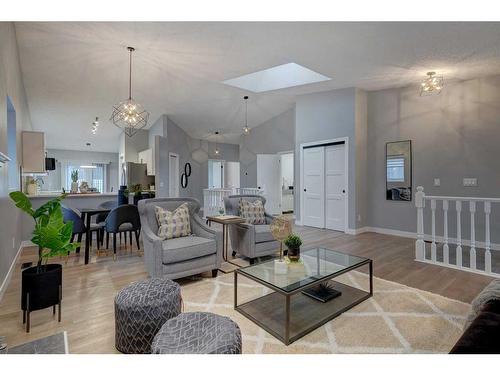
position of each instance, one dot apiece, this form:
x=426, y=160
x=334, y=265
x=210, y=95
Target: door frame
x=346, y=166
x=170, y=154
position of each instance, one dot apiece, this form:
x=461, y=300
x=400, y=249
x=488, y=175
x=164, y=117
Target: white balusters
x=458, y=207
x=470, y=237
x=420, y=204
x=433, y=228
x=446, y=249
x=487, y=253
x=472, y=209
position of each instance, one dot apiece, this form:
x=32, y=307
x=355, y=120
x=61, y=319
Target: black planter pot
x=41, y=290
x=294, y=254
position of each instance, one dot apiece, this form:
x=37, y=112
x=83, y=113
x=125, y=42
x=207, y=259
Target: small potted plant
x=42, y=284
x=293, y=242
x=74, y=181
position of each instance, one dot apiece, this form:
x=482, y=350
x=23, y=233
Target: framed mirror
x=398, y=171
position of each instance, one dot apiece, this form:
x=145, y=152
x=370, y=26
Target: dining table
x=86, y=215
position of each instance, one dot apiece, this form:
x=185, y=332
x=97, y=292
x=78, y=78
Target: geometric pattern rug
x=397, y=319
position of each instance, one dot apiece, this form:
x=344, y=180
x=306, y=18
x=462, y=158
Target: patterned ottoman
x=198, y=333
x=141, y=309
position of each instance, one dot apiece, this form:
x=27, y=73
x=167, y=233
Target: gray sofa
x=179, y=257
x=251, y=241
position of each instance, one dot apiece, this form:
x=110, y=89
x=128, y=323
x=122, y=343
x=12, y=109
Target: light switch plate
x=470, y=181
x=437, y=182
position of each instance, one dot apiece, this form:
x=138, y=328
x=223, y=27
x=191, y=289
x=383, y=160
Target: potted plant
x=293, y=242
x=42, y=284
x=74, y=181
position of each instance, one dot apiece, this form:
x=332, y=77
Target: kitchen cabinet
x=147, y=157
x=33, y=144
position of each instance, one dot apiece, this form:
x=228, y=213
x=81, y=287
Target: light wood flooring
x=89, y=290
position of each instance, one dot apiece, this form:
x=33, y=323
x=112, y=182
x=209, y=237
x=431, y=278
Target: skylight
x=278, y=77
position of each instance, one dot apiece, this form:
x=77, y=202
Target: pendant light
x=216, y=151
x=246, y=129
x=432, y=84
x=129, y=115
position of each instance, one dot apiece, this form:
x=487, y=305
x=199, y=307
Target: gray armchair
x=179, y=257
x=250, y=240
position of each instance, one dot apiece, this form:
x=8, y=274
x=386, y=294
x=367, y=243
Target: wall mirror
x=398, y=171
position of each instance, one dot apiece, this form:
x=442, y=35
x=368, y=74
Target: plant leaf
x=22, y=202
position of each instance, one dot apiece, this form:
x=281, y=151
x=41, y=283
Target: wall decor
x=398, y=171
x=185, y=175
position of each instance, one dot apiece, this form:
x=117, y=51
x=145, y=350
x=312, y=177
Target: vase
x=84, y=187
x=41, y=288
x=74, y=187
x=32, y=189
x=294, y=254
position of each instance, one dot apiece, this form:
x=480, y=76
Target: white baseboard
x=428, y=237
x=5, y=282
x=357, y=230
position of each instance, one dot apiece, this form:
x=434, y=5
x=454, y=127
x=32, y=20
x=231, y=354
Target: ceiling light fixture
x=431, y=85
x=129, y=115
x=95, y=125
x=216, y=151
x=246, y=129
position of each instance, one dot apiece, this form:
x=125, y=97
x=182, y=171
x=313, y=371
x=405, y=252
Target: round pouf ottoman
x=140, y=311
x=198, y=333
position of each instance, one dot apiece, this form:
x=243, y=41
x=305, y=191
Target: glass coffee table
x=307, y=296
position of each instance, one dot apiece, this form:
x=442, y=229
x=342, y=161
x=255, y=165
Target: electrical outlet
x=470, y=181
x=13, y=242
x=161, y=184
x=359, y=217
x=437, y=182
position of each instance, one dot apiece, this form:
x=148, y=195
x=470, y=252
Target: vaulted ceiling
x=75, y=71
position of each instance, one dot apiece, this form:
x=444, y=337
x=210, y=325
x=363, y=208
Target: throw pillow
x=252, y=212
x=173, y=224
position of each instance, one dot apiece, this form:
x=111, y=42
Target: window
x=396, y=169
x=94, y=174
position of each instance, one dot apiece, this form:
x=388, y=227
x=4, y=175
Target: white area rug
x=397, y=319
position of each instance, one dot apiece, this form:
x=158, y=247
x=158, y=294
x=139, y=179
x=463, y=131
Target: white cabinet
x=33, y=152
x=147, y=157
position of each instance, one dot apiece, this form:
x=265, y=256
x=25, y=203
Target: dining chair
x=79, y=228
x=123, y=219
x=100, y=218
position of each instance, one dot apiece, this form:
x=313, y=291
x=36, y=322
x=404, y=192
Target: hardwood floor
x=89, y=291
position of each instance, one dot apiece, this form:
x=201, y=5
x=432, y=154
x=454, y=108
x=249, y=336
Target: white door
x=268, y=179
x=173, y=172
x=314, y=187
x=335, y=187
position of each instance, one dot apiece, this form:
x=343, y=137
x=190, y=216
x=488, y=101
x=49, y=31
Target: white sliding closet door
x=335, y=185
x=314, y=187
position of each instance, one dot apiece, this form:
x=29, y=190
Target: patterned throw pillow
x=252, y=212
x=173, y=224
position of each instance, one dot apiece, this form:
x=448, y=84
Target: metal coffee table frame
x=287, y=338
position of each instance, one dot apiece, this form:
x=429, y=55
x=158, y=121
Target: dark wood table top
x=95, y=210
x=226, y=219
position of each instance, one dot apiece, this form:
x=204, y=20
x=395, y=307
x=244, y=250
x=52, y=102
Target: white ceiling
x=74, y=72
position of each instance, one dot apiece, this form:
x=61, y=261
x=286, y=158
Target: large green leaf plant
x=51, y=234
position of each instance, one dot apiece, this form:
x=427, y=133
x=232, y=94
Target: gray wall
x=169, y=137
x=323, y=116
x=454, y=135
x=273, y=136
x=11, y=84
